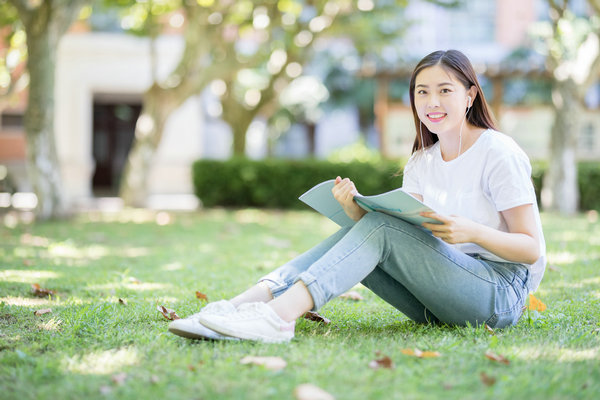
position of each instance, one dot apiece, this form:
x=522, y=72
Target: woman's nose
x=433, y=101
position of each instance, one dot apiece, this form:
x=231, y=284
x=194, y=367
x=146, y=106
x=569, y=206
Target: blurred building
x=101, y=77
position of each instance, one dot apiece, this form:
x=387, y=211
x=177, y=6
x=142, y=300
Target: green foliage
x=277, y=183
x=358, y=151
x=588, y=179
x=13, y=54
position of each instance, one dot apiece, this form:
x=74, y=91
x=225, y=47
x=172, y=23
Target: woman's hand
x=451, y=229
x=344, y=192
x=520, y=244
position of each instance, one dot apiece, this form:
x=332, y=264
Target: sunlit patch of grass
x=553, y=353
x=53, y=324
x=102, y=362
x=26, y=301
x=27, y=276
x=92, y=252
x=561, y=257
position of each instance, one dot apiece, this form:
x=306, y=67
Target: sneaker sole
x=192, y=335
x=188, y=335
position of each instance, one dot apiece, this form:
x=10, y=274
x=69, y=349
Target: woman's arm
x=344, y=191
x=519, y=244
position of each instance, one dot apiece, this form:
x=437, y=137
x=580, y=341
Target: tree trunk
x=240, y=128
x=45, y=23
x=42, y=160
x=561, y=191
x=239, y=119
x=311, y=133
x=158, y=105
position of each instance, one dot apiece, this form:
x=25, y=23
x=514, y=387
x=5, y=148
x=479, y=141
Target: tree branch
x=63, y=18
x=595, y=5
x=558, y=8
x=25, y=14
x=594, y=71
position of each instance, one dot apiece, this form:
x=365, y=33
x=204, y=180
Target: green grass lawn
x=91, y=346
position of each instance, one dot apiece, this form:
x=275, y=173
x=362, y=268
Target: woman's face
x=440, y=100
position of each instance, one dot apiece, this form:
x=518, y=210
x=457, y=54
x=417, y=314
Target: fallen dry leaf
x=486, y=379
x=592, y=216
x=420, y=354
x=381, y=362
x=119, y=378
x=167, y=313
x=313, y=316
x=201, y=296
x=352, y=295
x=536, y=304
x=42, y=311
x=104, y=389
x=123, y=301
x=553, y=268
x=308, y=391
x=27, y=263
x=40, y=291
x=271, y=363
x=191, y=367
x=489, y=329
x=497, y=357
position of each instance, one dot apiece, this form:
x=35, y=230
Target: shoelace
x=248, y=310
x=213, y=308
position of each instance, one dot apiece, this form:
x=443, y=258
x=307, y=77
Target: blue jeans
x=417, y=273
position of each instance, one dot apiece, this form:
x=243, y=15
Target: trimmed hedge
x=588, y=177
x=588, y=181
x=277, y=183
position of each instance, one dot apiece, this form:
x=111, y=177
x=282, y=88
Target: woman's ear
x=471, y=94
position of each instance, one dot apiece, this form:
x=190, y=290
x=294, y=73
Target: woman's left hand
x=451, y=229
x=344, y=192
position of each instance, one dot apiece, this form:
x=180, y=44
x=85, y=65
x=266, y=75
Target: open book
x=397, y=203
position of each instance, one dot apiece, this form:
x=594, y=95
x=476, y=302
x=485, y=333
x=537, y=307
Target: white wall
x=118, y=66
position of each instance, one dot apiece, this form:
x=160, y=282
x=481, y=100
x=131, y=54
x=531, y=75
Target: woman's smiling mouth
x=436, y=117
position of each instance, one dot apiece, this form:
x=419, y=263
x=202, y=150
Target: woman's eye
x=446, y=90
x=421, y=91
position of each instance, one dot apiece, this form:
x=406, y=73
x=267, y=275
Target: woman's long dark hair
x=458, y=64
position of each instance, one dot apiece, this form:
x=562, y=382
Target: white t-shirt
x=491, y=176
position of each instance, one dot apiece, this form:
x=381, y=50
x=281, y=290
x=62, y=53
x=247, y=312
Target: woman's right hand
x=344, y=192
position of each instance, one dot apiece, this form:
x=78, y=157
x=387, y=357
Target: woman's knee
x=373, y=219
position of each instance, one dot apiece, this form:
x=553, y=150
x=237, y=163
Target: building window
x=11, y=121
x=472, y=23
x=587, y=137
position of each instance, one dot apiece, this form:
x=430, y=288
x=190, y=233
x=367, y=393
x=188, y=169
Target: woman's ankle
x=257, y=293
x=291, y=305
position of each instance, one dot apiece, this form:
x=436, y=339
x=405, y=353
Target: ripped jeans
x=420, y=275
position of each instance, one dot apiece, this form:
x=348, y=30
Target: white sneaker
x=220, y=307
x=251, y=321
x=191, y=327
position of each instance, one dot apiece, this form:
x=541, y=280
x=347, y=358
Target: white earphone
x=469, y=97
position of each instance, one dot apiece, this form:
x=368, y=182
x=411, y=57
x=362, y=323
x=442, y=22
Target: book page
x=321, y=199
x=397, y=203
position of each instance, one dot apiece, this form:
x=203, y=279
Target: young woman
x=476, y=265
